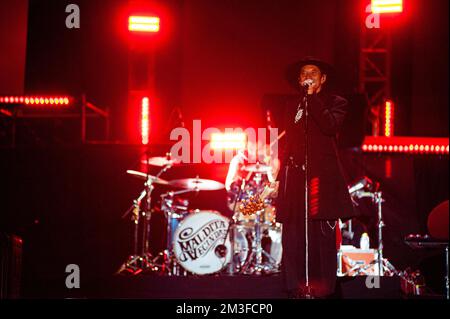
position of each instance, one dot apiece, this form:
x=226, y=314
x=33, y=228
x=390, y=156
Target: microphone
x=307, y=83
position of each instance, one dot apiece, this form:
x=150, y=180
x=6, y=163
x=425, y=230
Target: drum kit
x=205, y=242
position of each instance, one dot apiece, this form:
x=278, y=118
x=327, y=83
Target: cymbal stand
x=137, y=263
x=384, y=267
x=170, y=265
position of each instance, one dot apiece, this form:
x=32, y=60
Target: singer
x=310, y=161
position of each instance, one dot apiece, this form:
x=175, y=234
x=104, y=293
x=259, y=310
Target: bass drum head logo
x=196, y=239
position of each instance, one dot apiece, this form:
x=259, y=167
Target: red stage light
x=143, y=24
x=145, y=125
x=404, y=144
x=6, y=100
x=389, y=119
x=228, y=141
x=387, y=6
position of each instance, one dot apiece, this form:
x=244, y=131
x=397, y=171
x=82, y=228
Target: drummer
x=246, y=179
x=264, y=157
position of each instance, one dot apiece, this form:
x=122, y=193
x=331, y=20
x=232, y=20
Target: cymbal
x=257, y=168
x=144, y=176
x=197, y=183
x=161, y=161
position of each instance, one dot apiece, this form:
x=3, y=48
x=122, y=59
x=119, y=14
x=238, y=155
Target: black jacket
x=328, y=192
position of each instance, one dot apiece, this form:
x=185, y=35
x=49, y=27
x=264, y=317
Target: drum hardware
x=143, y=260
x=232, y=267
x=197, y=184
x=366, y=188
x=162, y=161
x=257, y=168
x=170, y=265
x=254, y=263
x=416, y=241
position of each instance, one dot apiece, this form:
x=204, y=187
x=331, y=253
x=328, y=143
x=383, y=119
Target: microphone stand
x=308, y=294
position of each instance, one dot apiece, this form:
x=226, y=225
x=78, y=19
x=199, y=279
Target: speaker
x=367, y=287
x=10, y=266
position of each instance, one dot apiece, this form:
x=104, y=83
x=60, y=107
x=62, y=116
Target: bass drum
x=198, y=239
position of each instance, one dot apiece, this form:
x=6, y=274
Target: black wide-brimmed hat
x=293, y=70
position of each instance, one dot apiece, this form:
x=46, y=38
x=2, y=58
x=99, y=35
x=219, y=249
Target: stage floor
x=152, y=286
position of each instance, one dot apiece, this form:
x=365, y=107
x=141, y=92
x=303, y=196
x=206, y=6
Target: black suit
x=328, y=193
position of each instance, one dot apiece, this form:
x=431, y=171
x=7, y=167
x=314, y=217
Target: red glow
x=143, y=24
x=228, y=141
x=387, y=6
x=388, y=168
x=145, y=124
